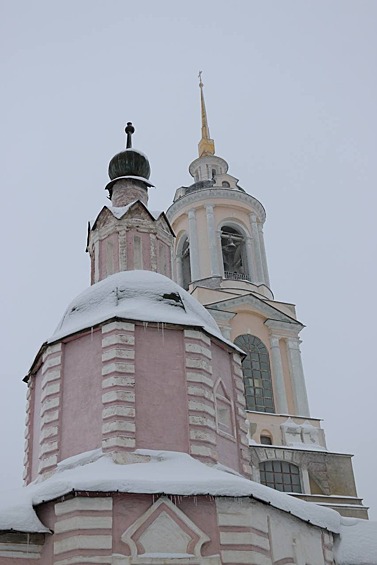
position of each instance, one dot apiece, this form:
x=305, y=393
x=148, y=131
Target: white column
x=297, y=374
x=258, y=254
x=212, y=241
x=194, y=247
x=251, y=262
x=277, y=369
x=263, y=253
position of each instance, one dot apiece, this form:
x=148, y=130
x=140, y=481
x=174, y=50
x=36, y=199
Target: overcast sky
x=291, y=96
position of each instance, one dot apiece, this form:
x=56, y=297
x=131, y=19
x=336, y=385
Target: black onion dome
x=129, y=162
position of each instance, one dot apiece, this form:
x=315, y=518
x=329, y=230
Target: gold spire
x=206, y=144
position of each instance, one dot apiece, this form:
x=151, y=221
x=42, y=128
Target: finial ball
x=130, y=128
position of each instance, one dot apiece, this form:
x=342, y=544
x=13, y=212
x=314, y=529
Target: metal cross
x=129, y=131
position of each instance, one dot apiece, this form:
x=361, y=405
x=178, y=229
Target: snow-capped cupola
x=126, y=235
x=129, y=173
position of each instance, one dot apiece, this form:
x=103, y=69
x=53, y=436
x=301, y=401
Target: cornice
x=216, y=194
x=261, y=306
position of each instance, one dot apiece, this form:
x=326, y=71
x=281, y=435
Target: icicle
x=91, y=333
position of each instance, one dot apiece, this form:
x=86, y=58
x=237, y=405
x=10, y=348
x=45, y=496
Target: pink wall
x=81, y=405
x=104, y=260
x=164, y=258
x=161, y=394
x=226, y=447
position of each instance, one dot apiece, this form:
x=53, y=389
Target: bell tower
x=220, y=258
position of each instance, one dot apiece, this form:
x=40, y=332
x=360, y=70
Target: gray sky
x=291, y=93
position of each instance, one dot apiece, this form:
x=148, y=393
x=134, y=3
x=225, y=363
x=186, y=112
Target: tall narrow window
x=256, y=374
x=280, y=475
x=234, y=254
x=109, y=257
x=138, y=253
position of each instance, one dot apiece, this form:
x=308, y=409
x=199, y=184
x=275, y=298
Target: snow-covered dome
x=129, y=162
x=135, y=295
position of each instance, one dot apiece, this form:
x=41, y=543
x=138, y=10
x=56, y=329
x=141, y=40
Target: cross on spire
x=129, y=131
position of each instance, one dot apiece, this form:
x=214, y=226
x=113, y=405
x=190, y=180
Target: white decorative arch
x=165, y=534
x=225, y=419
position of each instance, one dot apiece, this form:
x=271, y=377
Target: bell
x=231, y=244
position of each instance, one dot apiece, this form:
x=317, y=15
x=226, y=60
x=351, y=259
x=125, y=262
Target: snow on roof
x=119, y=211
x=17, y=512
x=135, y=295
x=159, y=472
x=357, y=543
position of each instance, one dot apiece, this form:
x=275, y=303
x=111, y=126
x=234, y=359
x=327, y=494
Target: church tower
x=220, y=258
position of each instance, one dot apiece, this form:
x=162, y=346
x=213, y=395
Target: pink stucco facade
x=123, y=386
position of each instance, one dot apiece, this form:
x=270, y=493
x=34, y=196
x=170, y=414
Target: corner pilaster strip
x=240, y=414
x=83, y=531
x=50, y=409
x=118, y=387
x=241, y=543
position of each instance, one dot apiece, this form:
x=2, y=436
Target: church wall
x=246, y=322
x=130, y=509
x=119, y=529
x=46, y=513
x=287, y=377
x=163, y=258
x=227, y=446
x=225, y=212
x=36, y=388
x=81, y=395
x=204, y=244
x=138, y=250
x=273, y=423
x=340, y=473
x=108, y=255
x=251, y=532
x=160, y=389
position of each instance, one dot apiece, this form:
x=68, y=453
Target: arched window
x=234, y=254
x=280, y=475
x=225, y=184
x=265, y=438
x=184, y=255
x=256, y=374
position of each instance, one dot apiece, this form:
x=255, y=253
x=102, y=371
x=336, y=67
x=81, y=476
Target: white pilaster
x=96, y=261
x=194, y=246
x=277, y=369
x=212, y=241
x=178, y=265
x=263, y=254
x=258, y=254
x=297, y=374
x=251, y=261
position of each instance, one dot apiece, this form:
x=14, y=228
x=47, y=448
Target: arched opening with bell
x=233, y=248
